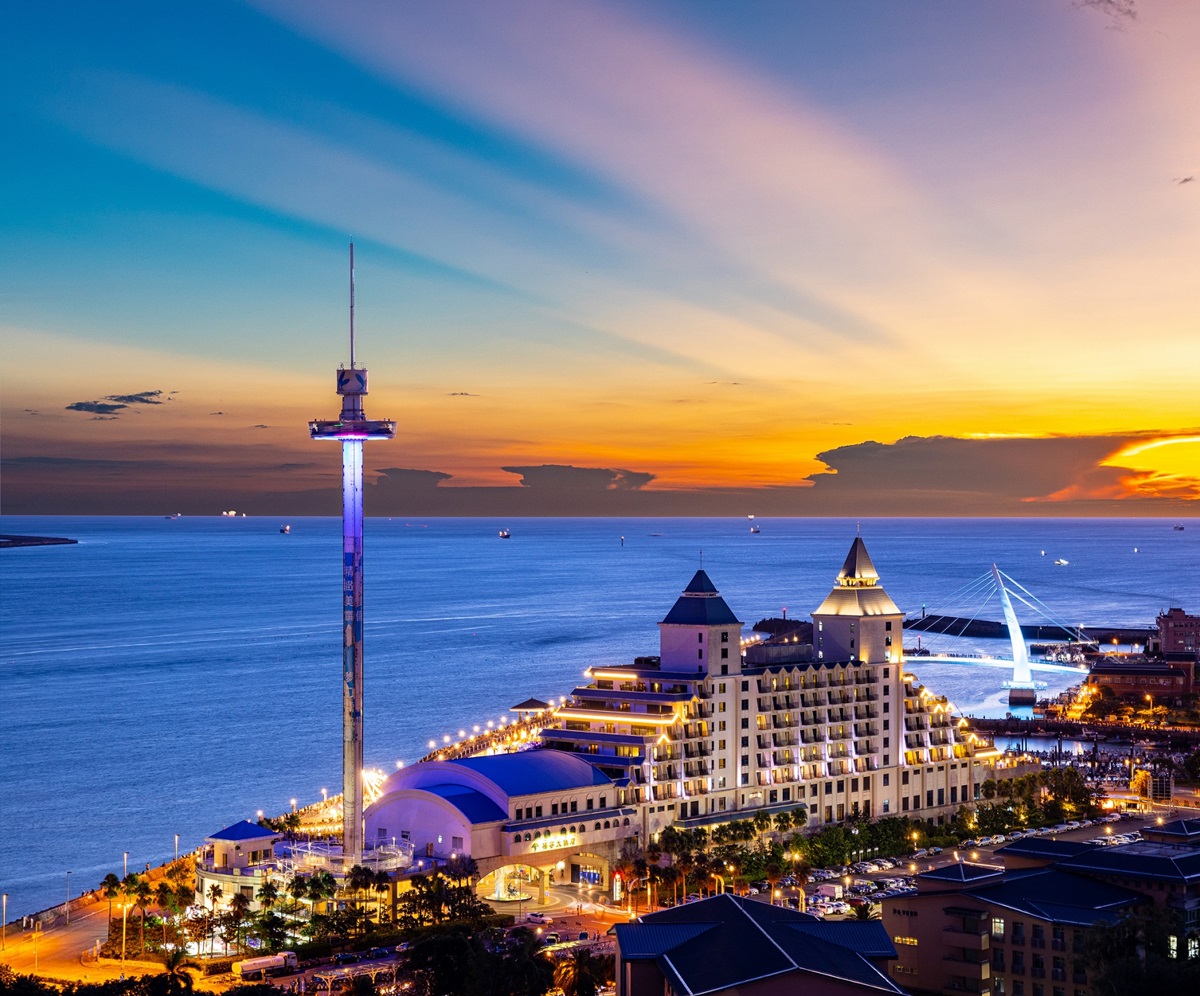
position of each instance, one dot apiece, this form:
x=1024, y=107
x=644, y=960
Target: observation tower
x=352, y=429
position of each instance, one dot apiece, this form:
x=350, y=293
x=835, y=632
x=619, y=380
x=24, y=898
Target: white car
x=536, y=917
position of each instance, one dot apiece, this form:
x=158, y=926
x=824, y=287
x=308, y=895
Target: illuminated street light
x=177, y=847
x=125, y=873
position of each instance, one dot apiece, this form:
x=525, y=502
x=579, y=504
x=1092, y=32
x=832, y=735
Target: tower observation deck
x=352, y=429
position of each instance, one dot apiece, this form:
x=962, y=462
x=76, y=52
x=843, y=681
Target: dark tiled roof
x=1045, y=847
x=701, y=605
x=869, y=938
x=963, y=871
x=475, y=806
x=1183, y=829
x=529, y=705
x=245, y=830
x=1162, y=862
x=727, y=942
x=530, y=771
x=1058, y=896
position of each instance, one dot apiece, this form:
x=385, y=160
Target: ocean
x=175, y=676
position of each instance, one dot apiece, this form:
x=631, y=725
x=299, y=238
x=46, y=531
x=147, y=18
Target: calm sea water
x=167, y=677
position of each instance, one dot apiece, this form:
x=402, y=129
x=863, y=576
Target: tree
x=867, y=911
x=176, y=964
x=582, y=974
x=168, y=901
x=239, y=910
x=110, y=888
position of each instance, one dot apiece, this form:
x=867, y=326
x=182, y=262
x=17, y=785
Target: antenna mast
x=351, y=305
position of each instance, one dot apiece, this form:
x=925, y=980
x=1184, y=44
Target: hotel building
x=704, y=733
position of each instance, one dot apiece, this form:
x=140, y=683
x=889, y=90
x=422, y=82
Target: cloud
x=567, y=478
x=141, y=398
x=260, y=426
x=99, y=407
x=401, y=477
x=103, y=418
x=999, y=470
x=463, y=394
x=216, y=413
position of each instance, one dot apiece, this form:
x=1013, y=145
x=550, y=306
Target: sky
x=613, y=258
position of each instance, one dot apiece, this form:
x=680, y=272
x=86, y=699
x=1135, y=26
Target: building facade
x=704, y=734
x=708, y=731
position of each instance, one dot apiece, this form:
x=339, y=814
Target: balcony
x=975, y=939
x=979, y=965
x=956, y=986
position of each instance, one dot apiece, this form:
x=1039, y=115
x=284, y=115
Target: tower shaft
x=352, y=651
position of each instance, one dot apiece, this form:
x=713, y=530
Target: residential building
x=980, y=929
x=730, y=945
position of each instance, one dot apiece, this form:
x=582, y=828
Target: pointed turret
x=700, y=628
x=858, y=567
x=840, y=625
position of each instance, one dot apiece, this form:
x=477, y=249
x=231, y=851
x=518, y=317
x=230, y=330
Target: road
x=57, y=950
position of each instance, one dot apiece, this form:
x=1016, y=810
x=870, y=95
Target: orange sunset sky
x=792, y=258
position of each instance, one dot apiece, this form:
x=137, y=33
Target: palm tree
x=167, y=901
x=239, y=908
x=268, y=893
x=143, y=897
x=867, y=911
x=321, y=887
x=110, y=887
x=215, y=894
x=176, y=964
x=383, y=885
x=581, y=974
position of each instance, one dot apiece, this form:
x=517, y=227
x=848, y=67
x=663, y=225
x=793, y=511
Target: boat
x=1060, y=562
x=505, y=534
x=1178, y=527
x=173, y=516
x=285, y=529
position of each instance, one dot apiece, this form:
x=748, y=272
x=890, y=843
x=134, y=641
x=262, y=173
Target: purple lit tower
x=352, y=429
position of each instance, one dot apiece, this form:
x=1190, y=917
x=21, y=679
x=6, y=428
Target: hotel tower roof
x=701, y=605
x=857, y=591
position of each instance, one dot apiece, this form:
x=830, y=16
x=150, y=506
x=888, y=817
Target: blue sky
x=703, y=242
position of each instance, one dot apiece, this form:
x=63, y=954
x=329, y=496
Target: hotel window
x=724, y=637
x=886, y=672
x=888, y=627
x=887, y=707
x=997, y=928
x=538, y=812
x=699, y=637
x=700, y=654
x=591, y=804
x=1194, y=947
x=745, y=723
x=745, y=688
x=745, y=760
x=603, y=802
x=745, y=741
x=721, y=762
x=887, y=780
x=516, y=838
x=887, y=724
x=1172, y=946
x=887, y=805
x=724, y=653
x=554, y=809
x=745, y=705
x=456, y=843
x=812, y=791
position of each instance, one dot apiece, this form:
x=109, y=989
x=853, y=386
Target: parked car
x=346, y=958
x=379, y=953
x=536, y=917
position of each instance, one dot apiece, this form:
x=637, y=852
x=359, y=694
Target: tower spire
x=352, y=429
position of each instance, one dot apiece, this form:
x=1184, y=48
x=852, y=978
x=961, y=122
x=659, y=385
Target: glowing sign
x=553, y=841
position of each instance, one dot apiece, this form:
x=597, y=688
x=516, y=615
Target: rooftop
x=727, y=942
x=244, y=830
x=530, y=771
x=701, y=605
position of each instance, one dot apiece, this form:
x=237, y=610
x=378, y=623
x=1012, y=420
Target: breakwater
x=991, y=629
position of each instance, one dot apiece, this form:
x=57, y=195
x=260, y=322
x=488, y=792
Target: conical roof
x=858, y=566
x=857, y=591
x=701, y=605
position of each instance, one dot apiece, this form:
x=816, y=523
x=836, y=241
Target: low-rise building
x=982, y=929
x=237, y=860
x=730, y=945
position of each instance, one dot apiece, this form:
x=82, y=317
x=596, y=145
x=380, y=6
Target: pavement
x=57, y=950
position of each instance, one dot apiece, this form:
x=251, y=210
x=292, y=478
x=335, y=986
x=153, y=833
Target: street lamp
x=293, y=805
x=125, y=873
x=324, y=796
x=177, y=848
x=124, y=918
x=4, y=923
